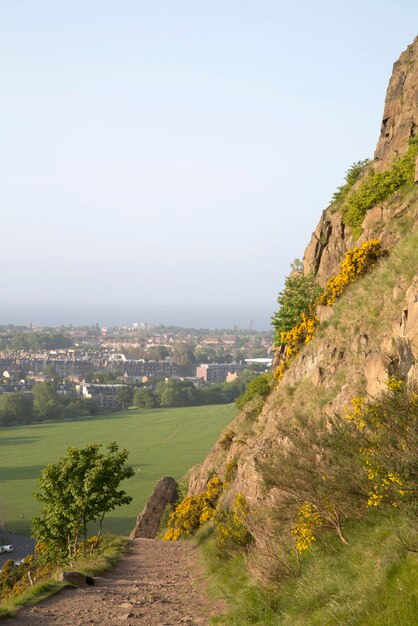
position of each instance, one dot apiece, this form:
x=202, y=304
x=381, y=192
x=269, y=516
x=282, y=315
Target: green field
x=161, y=442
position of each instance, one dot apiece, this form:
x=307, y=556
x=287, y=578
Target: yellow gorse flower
x=356, y=263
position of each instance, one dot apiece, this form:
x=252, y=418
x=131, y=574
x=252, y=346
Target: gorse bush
x=193, y=512
x=387, y=441
x=231, y=529
x=330, y=475
x=377, y=187
x=355, y=264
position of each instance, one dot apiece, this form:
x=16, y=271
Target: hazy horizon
x=186, y=316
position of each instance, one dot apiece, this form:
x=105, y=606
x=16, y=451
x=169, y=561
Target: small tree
x=300, y=294
x=77, y=490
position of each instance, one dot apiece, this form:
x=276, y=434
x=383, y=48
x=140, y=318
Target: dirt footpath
x=155, y=584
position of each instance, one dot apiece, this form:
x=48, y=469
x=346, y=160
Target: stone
x=148, y=522
x=317, y=376
x=376, y=372
x=75, y=578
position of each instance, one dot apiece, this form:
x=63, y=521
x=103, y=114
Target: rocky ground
x=155, y=584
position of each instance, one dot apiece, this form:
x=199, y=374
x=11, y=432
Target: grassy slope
x=161, y=442
x=371, y=582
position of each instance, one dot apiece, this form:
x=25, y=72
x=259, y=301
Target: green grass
x=161, y=442
x=370, y=582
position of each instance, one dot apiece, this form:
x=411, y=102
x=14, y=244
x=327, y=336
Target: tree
x=173, y=393
x=46, y=401
x=124, y=397
x=299, y=296
x=15, y=408
x=184, y=357
x=145, y=398
x=77, y=490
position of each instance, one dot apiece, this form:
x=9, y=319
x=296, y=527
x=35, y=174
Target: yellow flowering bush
x=193, y=511
x=388, y=443
x=356, y=262
x=307, y=521
x=231, y=525
x=294, y=339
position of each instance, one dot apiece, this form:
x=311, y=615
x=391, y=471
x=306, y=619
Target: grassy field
x=161, y=442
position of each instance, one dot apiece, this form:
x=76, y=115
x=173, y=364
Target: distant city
x=95, y=363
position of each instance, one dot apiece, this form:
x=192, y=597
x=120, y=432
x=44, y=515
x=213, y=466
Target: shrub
x=298, y=298
x=231, y=529
x=377, y=187
x=193, y=512
x=258, y=389
x=227, y=439
x=356, y=262
x=351, y=177
x=387, y=442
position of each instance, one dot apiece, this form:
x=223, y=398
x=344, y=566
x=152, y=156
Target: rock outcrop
x=147, y=524
x=370, y=335
x=400, y=116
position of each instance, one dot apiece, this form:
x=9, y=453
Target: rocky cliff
x=370, y=334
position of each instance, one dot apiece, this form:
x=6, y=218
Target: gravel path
x=156, y=583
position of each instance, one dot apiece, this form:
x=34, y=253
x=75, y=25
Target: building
x=217, y=372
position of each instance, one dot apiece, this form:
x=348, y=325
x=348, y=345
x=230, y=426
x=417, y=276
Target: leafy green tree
x=145, y=399
x=174, y=393
x=184, y=357
x=75, y=491
x=124, y=397
x=46, y=401
x=299, y=296
x=15, y=408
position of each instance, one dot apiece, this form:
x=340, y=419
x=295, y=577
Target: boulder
x=148, y=522
x=75, y=578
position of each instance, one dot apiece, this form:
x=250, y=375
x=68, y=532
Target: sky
x=166, y=161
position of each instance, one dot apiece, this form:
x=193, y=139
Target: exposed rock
x=323, y=313
x=356, y=354
x=411, y=316
x=165, y=492
x=75, y=578
x=317, y=376
x=329, y=243
x=400, y=116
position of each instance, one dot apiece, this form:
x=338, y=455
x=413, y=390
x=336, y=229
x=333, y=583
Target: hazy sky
x=169, y=159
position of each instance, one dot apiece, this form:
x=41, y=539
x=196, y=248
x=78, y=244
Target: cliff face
x=400, y=116
x=364, y=338
x=331, y=238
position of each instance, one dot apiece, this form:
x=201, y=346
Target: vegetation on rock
x=355, y=264
x=298, y=298
x=377, y=187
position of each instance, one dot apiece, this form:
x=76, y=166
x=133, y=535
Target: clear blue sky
x=176, y=155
